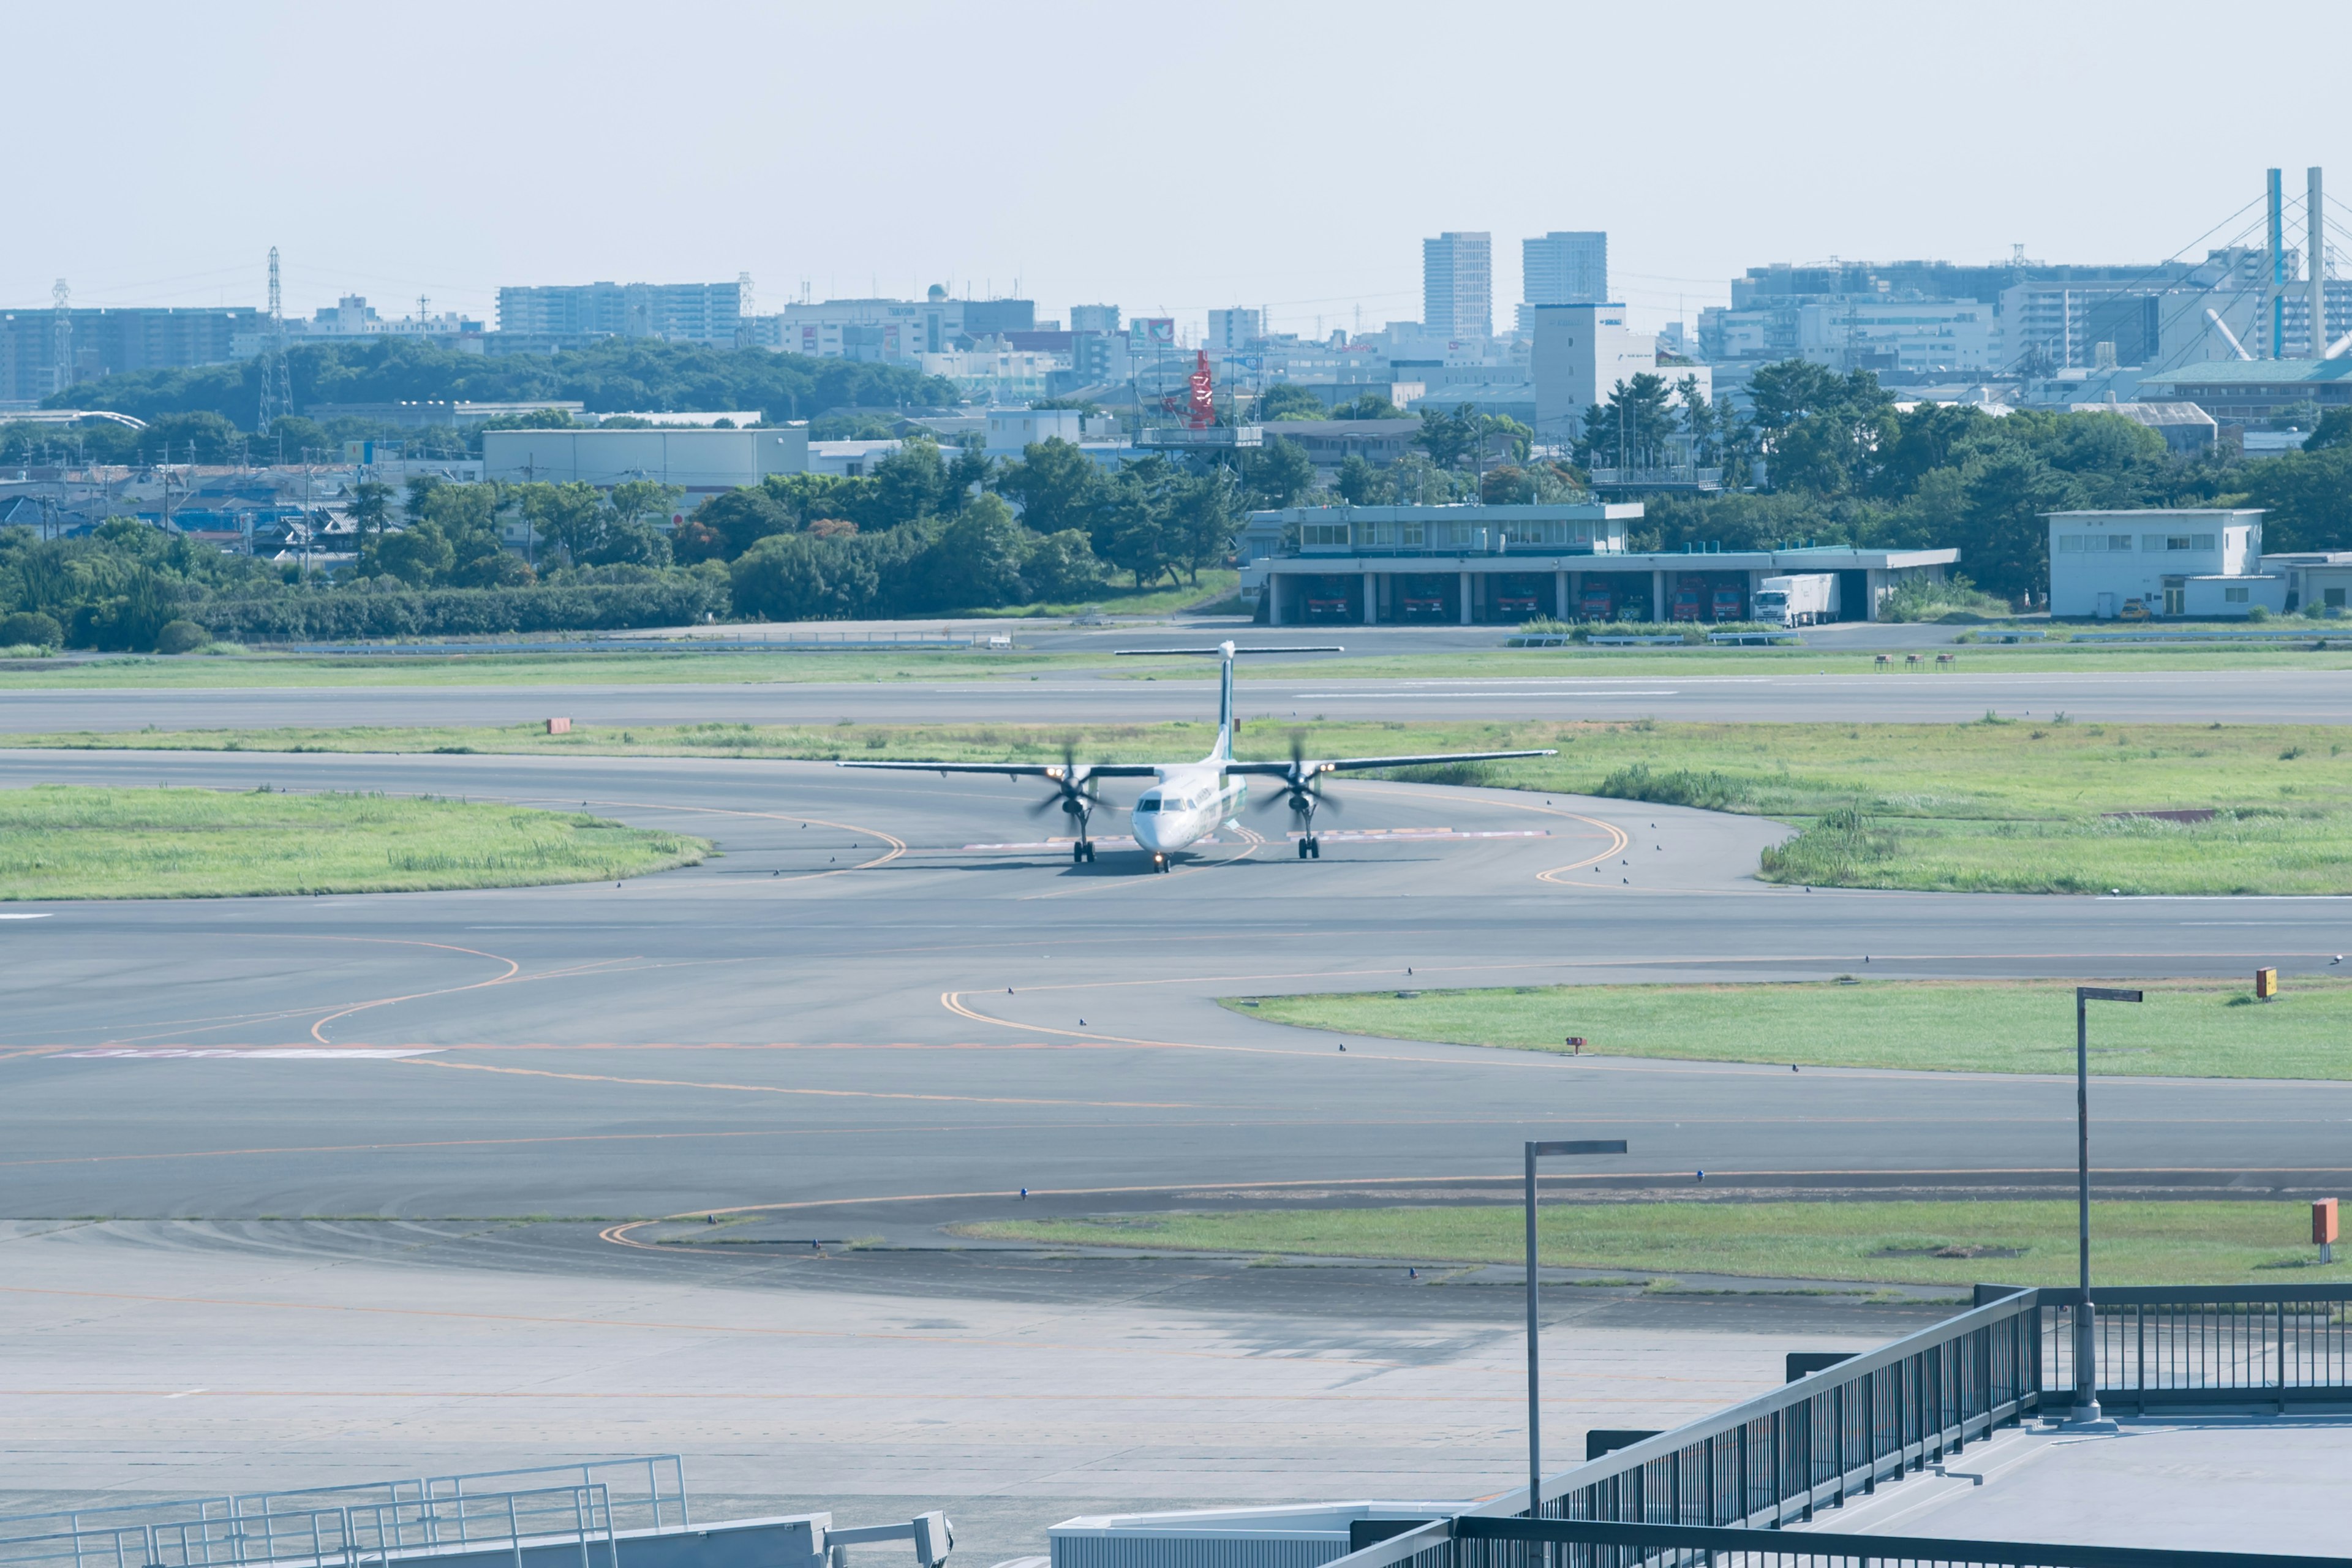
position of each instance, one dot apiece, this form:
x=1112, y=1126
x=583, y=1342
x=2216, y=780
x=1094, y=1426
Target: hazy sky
x=1167, y=158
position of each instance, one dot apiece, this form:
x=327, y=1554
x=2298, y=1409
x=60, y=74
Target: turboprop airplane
x=1188, y=800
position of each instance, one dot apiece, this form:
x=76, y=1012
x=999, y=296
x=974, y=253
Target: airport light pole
x=1535, y=1420
x=2086, y=1354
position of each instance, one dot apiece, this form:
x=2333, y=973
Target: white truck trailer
x=1803, y=599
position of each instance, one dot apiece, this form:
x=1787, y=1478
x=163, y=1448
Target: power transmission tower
x=276, y=382
x=743, y=310
x=61, y=372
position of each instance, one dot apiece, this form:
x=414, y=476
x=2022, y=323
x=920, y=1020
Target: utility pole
x=1534, y=1423
x=2086, y=1349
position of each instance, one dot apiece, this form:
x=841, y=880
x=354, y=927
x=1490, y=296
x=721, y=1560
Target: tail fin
x=1224, y=751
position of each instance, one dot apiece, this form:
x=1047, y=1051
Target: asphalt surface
x=2276, y=694
x=852, y=1012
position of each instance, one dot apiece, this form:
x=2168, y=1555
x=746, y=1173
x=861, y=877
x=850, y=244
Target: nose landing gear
x=1310, y=848
x=1082, y=852
x=1158, y=862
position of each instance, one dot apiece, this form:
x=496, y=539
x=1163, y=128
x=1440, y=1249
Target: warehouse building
x=1474, y=565
x=700, y=462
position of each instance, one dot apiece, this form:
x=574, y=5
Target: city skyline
x=443, y=174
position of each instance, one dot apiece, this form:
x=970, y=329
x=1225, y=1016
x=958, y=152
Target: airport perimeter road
x=853, y=1005
x=1778, y=693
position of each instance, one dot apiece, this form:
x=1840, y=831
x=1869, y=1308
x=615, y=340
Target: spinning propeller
x=1078, y=794
x=1302, y=784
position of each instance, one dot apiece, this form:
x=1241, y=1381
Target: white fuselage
x=1185, y=806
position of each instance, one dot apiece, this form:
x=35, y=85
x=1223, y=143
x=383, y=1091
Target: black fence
x=1712, y=1491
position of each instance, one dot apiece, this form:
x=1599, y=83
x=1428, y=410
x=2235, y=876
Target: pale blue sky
x=1167, y=158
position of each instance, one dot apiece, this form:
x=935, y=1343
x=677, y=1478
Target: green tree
x=1278, y=473
x=909, y=483
x=569, y=517
x=370, y=513
x=1287, y=400
x=1359, y=483
x=1369, y=406
x=2308, y=496
x=1135, y=534
x=1202, y=518
x=1057, y=486
x=417, y=555
x=1632, y=429
x=1061, y=567
x=1451, y=440
x=977, y=559
x=740, y=518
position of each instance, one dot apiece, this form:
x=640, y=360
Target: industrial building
x=700, y=462
x=1468, y=565
x=2202, y=562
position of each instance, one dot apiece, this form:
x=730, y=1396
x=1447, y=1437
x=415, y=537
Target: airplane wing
x=1022, y=769
x=1351, y=764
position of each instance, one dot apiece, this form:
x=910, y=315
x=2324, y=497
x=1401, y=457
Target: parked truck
x=1805, y=599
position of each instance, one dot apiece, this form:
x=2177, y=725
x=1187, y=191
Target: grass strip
x=1909, y=1243
x=2184, y=1029
x=70, y=842
x=1974, y=807
x=262, y=668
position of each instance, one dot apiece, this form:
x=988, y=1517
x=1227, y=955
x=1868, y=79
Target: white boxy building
x=700, y=462
x=2199, y=563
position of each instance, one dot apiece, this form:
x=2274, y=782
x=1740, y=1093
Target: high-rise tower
x=1458, y=285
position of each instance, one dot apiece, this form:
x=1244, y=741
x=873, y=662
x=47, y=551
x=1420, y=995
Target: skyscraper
x=1458, y=285
x=1566, y=268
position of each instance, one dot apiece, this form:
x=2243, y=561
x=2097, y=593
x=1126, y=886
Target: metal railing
x=1582, y=1543
x=1777, y=1456
x=370, y=1522
x=2172, y=1348
x=349, y=1534
x=1700, y=1494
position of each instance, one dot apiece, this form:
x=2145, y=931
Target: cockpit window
x=1149, y=803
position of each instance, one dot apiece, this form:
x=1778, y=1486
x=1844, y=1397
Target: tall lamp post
x=2086, y=1354
x=1535, y=1422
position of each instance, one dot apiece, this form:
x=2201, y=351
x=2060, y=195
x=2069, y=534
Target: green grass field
x=261, y=667
x=1977, y=807
x=1213, y=588
x=2184, y=1029
x=1891, y=1243
x=68, y=842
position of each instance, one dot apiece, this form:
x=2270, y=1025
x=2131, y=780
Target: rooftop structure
x=2185, y=427
x=1954, y=1443
x=2235, y=391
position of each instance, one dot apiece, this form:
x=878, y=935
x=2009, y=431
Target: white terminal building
x=2206, y=563
x=1466, y=565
